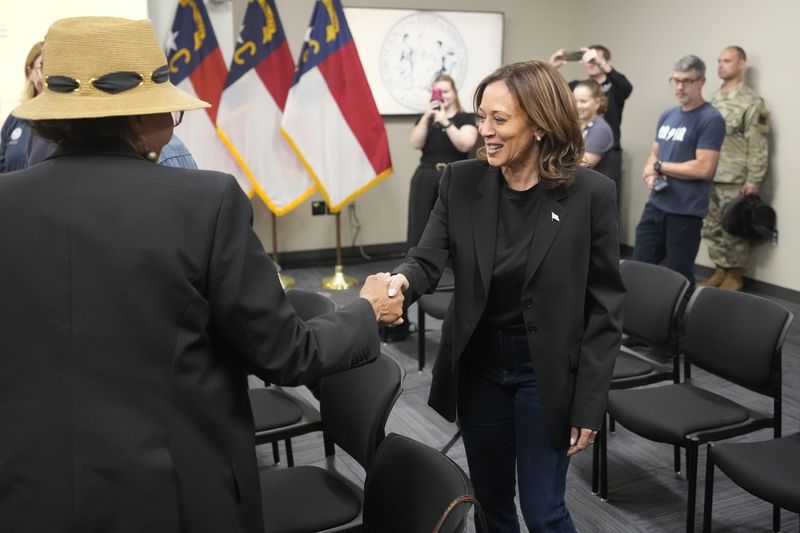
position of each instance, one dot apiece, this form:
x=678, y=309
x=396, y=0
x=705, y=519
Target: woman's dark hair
x=547, y=101
x=596, y=90
x=83, y=131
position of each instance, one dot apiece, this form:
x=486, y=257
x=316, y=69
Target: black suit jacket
x=572, y=296
x=135, y=300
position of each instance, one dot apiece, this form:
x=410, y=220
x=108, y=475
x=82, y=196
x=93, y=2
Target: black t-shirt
x=517, y=214
x=438, y=147
x=617, y=89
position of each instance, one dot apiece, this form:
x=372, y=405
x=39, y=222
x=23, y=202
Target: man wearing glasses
x=742, y=166
x=679, y=172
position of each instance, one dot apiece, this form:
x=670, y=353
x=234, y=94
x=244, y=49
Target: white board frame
x=473, y=39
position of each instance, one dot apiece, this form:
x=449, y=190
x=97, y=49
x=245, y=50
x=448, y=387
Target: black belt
x=436, y=166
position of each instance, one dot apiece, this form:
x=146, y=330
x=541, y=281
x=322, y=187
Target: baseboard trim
x=761, y=287
x=350, y=255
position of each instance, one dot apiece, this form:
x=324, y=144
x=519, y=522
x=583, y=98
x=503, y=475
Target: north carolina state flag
x=197, y=67
x=251, y=109
x=331, y=119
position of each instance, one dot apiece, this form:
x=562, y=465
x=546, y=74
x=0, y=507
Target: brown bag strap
x=466, y=498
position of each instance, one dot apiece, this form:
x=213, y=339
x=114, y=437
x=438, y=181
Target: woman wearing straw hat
x=136, y=298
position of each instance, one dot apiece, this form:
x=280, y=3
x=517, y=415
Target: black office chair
x=652, y=303
x=735, y=336
x=413, y=488
x=769, y=470
x=435, y=305
x=355, y=405
x=282, y=413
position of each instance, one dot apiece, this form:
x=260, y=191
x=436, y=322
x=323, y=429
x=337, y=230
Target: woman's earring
x=151, y=156
x=538, y=138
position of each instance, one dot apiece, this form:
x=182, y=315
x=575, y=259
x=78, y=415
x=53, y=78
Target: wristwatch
x=657, y=166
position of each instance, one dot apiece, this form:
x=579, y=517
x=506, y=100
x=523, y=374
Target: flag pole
x=287, y=282
x=339, y=281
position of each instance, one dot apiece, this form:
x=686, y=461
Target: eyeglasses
x=685, y=82
x=177, y=118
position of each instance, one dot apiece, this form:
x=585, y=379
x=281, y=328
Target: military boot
x=733, y=280
x=716, y=278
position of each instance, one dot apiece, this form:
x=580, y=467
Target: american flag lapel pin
x=553, y=216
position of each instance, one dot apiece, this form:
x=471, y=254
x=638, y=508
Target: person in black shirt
x=597, y=62
x=529, y=340
x=444, y=133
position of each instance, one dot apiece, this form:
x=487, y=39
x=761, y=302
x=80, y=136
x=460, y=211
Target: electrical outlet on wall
x=319, y=207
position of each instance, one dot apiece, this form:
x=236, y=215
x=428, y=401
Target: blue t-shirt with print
x=679, y=134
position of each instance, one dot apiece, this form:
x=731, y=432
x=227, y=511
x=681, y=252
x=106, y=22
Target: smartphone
x=436, y=94
x=573, y=56
x=659, y=183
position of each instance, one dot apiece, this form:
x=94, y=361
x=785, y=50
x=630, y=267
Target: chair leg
x=776, y=518
x=276, y=453
x=330, y=448
x=691, y=475
x=420, y=337
x=289, y=452
x=677, y=460
x=604, y=466
x=709, y=492
x=451, y=442
x=596, y=459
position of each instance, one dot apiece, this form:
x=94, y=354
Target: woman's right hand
x=434, y=112
x=398, y=284
x=557, y=59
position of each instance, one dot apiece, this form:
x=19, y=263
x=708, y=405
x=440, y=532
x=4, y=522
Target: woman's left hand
x=580, y=439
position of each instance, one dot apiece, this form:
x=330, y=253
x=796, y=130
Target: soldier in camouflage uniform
x=741, y=168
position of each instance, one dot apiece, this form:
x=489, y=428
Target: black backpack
x=750, y=218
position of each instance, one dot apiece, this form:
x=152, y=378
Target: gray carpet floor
x=644, y=492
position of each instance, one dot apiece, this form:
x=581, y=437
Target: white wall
x=646, y=38
x=24, y=22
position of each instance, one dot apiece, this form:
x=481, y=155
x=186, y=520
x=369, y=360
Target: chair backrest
x=355, y=404
x=411, y=486
x=737, y=336
x=309, y=304
x=654, y=295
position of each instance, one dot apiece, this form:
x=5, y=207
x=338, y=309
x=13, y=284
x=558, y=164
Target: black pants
x=421, y=198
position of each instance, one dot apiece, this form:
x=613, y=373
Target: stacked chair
x=768, y=469
x=354, y=405
x=650, y=319
x=413, y=488
x=282, y=413
x=736, y=337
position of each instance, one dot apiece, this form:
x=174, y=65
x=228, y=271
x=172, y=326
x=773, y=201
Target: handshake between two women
x=384, y=292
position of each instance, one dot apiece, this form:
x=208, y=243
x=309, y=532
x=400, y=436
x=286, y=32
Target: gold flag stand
x=287, y=282
x=339, y=281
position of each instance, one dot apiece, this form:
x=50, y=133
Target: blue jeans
x=504, y=430
x=668, y=239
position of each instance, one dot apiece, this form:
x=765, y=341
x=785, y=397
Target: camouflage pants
x=726, y=250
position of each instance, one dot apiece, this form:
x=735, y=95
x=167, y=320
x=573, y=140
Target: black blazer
x=572, y=296
x=135, y=300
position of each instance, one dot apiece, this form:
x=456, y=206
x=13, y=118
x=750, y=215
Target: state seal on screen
x=416, y=49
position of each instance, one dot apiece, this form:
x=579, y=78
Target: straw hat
x=104, y=67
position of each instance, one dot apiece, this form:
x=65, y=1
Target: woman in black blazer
x=136, y=299
x=529, y=341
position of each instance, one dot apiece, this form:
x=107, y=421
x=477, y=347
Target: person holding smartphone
x=445, y=133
